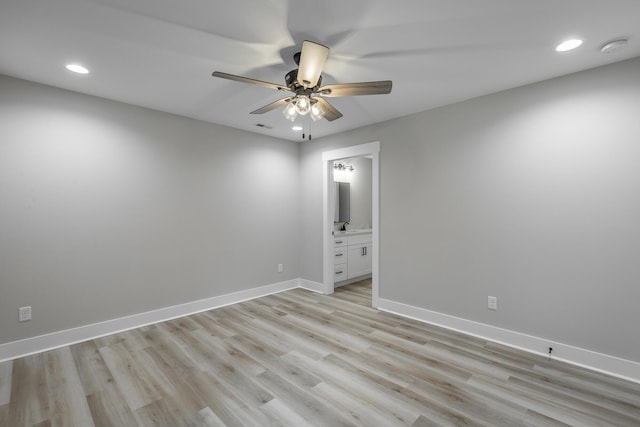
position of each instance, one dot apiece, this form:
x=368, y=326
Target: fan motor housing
x=291, y=79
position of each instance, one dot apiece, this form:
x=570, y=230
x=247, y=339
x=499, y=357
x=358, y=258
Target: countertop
x=351, y=232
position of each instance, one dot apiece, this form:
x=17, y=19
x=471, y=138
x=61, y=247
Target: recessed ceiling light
x=568, y=45
x=77, y=68
x=296, y=128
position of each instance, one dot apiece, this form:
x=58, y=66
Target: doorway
x=371, y=150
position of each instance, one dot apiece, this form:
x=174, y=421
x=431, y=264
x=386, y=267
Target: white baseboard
x=25, y=347
x=312, y=286
x=610, y=365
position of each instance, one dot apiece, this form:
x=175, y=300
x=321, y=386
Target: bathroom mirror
x=342, y=202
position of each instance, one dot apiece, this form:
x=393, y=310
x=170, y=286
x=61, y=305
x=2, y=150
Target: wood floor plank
x=361, y=411
x=423, y=421
x=172, y=363
x=209, y=324
x=289, y=338
x=94, y=373
x=29, y=396
x=172, y=410
x=134, y=379
x=226, y=401
x=309, y=406
x=283, y=415
x=575, y=378
x=423, y=404
x=575, y=402
x=274, y=362
x=225, y=371
x=108, y=407
x=298, y=358
x=542, y=405
x=413, y=358
x=472, y=405
x=205, y=418
x=363, y=386
x=66, y=398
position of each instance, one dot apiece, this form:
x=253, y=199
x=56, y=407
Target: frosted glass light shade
x=316, y=112
x=290, y=111
x=303, y=105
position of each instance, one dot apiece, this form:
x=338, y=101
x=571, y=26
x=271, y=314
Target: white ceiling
x=160, y=53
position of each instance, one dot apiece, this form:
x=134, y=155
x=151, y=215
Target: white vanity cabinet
x=352, y=256
x=359, y=255
x=339, y=259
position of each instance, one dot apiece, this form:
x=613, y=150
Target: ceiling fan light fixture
x=316, y=112
x=303, y=104
x=305, y=87
x=290, y=111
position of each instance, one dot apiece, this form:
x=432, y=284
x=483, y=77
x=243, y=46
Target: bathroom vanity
x=351, y=256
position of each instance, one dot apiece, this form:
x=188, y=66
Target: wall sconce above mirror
x=342, y=172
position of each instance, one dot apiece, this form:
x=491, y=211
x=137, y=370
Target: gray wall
x=531, y=195
x=108, y=210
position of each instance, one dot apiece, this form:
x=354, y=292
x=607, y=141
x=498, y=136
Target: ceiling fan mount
x=305, y=86
x=291, y=81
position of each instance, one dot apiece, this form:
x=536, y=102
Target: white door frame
x=371, y=149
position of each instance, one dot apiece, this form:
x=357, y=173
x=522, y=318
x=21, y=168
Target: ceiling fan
x=304, y=86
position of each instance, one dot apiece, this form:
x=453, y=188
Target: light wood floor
x=302, y=359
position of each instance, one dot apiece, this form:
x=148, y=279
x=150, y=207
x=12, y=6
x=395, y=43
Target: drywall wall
x=531, y=195
x=108, y=210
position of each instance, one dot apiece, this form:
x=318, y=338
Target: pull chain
x=306, y=123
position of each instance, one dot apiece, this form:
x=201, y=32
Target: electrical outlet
x=24, y=314
x=492, y=303
x=280, y=268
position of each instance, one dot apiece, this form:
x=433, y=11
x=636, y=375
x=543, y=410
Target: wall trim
x=368, y=149
x=312, y=286
x=40, y=343
x=610, y=365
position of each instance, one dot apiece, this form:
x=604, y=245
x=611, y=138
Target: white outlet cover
x=24, y=314
x=492, y=303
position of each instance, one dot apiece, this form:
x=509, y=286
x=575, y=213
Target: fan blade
x=353, y=89
x=330, y=112
x=250, y=81
x=312, y=59
x=273, y=105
